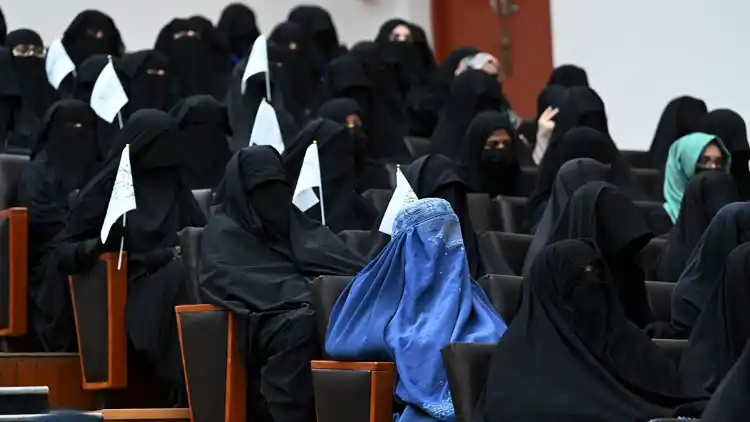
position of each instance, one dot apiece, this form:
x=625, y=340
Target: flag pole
x=268, y=84
x=322, y=207
x=124, y=222
x=119, y=120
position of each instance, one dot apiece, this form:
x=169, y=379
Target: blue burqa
x=413, y=299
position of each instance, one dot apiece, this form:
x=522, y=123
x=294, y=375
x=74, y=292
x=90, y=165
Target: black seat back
x=11, y=168
x=326, y=291
x=651, y=181
x=480, y=212
x=417, y=146
x=504, y=292
x=379, y=198
x=673, y=348
x=650, y=256
x=467, y=366
x=190, y=246
x=527, y=182
x=204, y=198
x=511, y=210
x=513, y=246
x=660, y=299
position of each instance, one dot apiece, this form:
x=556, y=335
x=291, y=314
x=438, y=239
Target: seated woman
x=572, y=355
x=419, y=283
x=156, y=279
x=705, y=195
x=204, y=131
x=688, y=156
x=729, y=228
x=258, y=255
x=64, y=158
x=730, y=127
x=722, y=329
x=681, y=117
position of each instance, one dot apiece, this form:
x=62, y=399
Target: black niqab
x=583, y=107
x=239, y=28
x=731, y=129
x=682, y=116
x=295, y=53
x=146, y=87
x=705, y=195
x=36, y=92
x=571, y=337
x=81, y=38
x=568, y=76
x=204, y=134
x=728, y=229
x=318, y=26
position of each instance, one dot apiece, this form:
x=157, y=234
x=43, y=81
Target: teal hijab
x=683, y=158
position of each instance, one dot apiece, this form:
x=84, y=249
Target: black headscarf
x=259, y=251
x=722, y=330
x=9, y=94
x=601, y=213
x=572, y=355
x=238, y=26
x=705, y=195
x=80, y=39
x=682, y=116
x=295, y=53
x=731, y=129
x=36, y=92
x=200, y=62
x=582, y=142
x=496, y=171
x=568, y=76
x=427, y=57
x=434, y=176
x=729, y=228
x=3, y=27
x=472, y=92
x=554, y=96
x=319, y=29
x=406, y=56
x=583, y=107
x=204, y=134
x=87, y=74
x=729, y=403
x=145, y=88
x=341, y=159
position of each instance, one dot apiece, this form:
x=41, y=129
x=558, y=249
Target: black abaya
x=728, y=229
x=568, y=76
x=682, y=116
x=239, y=29
x=571, y=355
x=37, y=95
x=722, y=329
x=705, y=195
x=729, y=403
x=150, y=81
x=295, y=54
x=204, y=133
x=156, y=278
x=258, y=256
x=731, y=129
x=582, y=107
x=318, y=26
x=92, y=33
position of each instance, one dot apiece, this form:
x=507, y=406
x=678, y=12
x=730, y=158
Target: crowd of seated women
x=580, y=347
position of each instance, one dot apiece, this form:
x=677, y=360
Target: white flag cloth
x=258, y=60
x=57, y=64
x=309, y=177
x=108, y=96
x=122, y=199
x=403, y=195
x=266, y=129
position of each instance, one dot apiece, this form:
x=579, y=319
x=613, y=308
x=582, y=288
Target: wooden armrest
x=99, y=299
x=213, y=365
x=14, y=280
x=353, y=366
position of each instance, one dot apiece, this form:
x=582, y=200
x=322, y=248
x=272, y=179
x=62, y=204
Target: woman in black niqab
x=582, y=142
x=731, y=129
x=472, y=92
x=583, y=107
x=28, y=65
x=341, y=164
x=239, y=28
x=198, y=57
x=722, y=329
x=258, y=256
x=88, y=73
x=568, y=76
x=156, y=278
x=295, y=52
x=204, y=134
x=490, y=153
x=705, y=195
x=319, y=28
x=92, y=32
x=682, y=116
x=572, y=337
x=729, y=228
x=150, y=81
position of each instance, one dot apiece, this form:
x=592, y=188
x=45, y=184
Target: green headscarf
x=683, y=158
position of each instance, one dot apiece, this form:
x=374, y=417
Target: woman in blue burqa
x=413, y=299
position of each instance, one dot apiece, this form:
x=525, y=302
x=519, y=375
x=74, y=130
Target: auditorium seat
x=511, y=209
x=348, y=391
x=99, y=297
x=673, y=348
x=513, y=246
x=504, y=292
x=467, y=366
x=527, y=182
x=204, y=198
x=651, y=181
x=417, y=146
x=650, y=256
x=636, y=159
x=660, y=299
x=214, y=369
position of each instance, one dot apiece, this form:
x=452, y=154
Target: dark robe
x=729, y=403
x=88, y=73
x=572, y=355
x=145, y=87
x=728, y=229
x=258, y=256
x=554, y=96
x=318, y=26
x=295, y=54
x=10, y=96
x=705, y=195
x=239, y=29
x=568, y=75
x=204, y=134
x=731, y=129
x=341, y=163
x=80, y=40
x=582, y=107
x=156, y=276
x=682, y=116
x=3, y=27
x=722, y=329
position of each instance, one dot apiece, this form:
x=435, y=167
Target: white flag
x=108, y=96
x=266, y=129
x=309, y=177
x=403, y=195
x=122, y=199
x=57, y=64
x=257, y=62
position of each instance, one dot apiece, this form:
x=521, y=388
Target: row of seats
x=351, y=391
